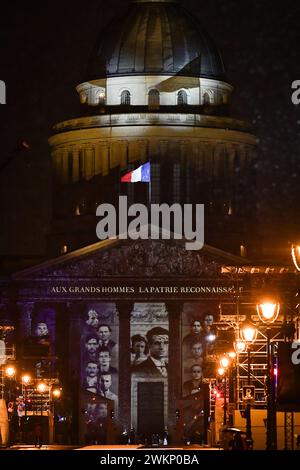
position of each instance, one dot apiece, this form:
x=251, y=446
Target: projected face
x=104, y=359
x=209, y=320
x=196, y=327
x=159, y=346
x=105, y=382
x=104, y=333
x=139, y=348
x=91, y=346
x=91, y=369
x=102, y=410
x=197, y=350
x=196, y=372
x=41, y=329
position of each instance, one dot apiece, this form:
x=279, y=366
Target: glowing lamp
x=10, y=371
x=249, y=333
x=240, y=346
x=56, y=393
x=41, y=387
x=26, y=379
x=224, y=361
x=268, y=311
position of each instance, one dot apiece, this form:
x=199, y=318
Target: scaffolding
x=35, y=402
x=255, y=356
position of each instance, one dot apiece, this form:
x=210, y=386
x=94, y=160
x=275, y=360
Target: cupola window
x=206, y=99
x=181, y=98
x=125, y=98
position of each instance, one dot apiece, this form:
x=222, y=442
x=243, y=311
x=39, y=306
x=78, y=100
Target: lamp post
x=231, y=382
x=268, y=312
x=10, y=373
x=249, y=335
x=222, y=371
x=56, y=395
x=41, y=388
x=26, y=379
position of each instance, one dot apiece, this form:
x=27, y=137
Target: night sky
x=44, y=51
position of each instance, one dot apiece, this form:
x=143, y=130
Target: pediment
x=134, y=259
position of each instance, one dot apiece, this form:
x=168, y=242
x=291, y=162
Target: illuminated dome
x=155, y=37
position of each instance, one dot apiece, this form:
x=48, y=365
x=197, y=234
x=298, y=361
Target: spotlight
x=41, y=387
x=10, y=371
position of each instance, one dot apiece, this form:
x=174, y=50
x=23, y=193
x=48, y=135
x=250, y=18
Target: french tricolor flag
x=140, y=175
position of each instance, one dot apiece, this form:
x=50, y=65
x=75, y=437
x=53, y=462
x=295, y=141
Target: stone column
x=98, y=162
x=75, y=157
x=89, y=163
x=104, y=146
x=74, y=361
x=174, y=309
x=143, y=150
x=65, y=165
x=124, y=308
x=123, y=154
x=56, y=162
x=163, y=148
x=218, y=168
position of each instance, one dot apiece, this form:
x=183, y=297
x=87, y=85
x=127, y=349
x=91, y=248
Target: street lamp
x=239, y=346
x=268, y=311
x=249, y=335
x=56, y=392
x=26, y=379
x=10, y=371
x=41, y=388
x=224, y=361
x=222, y=372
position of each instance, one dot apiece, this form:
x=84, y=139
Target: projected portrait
x=149, y=356
x=193, y=386
x=139, y=349
x=99, y=358
x=199, y=339
x=156, y=364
